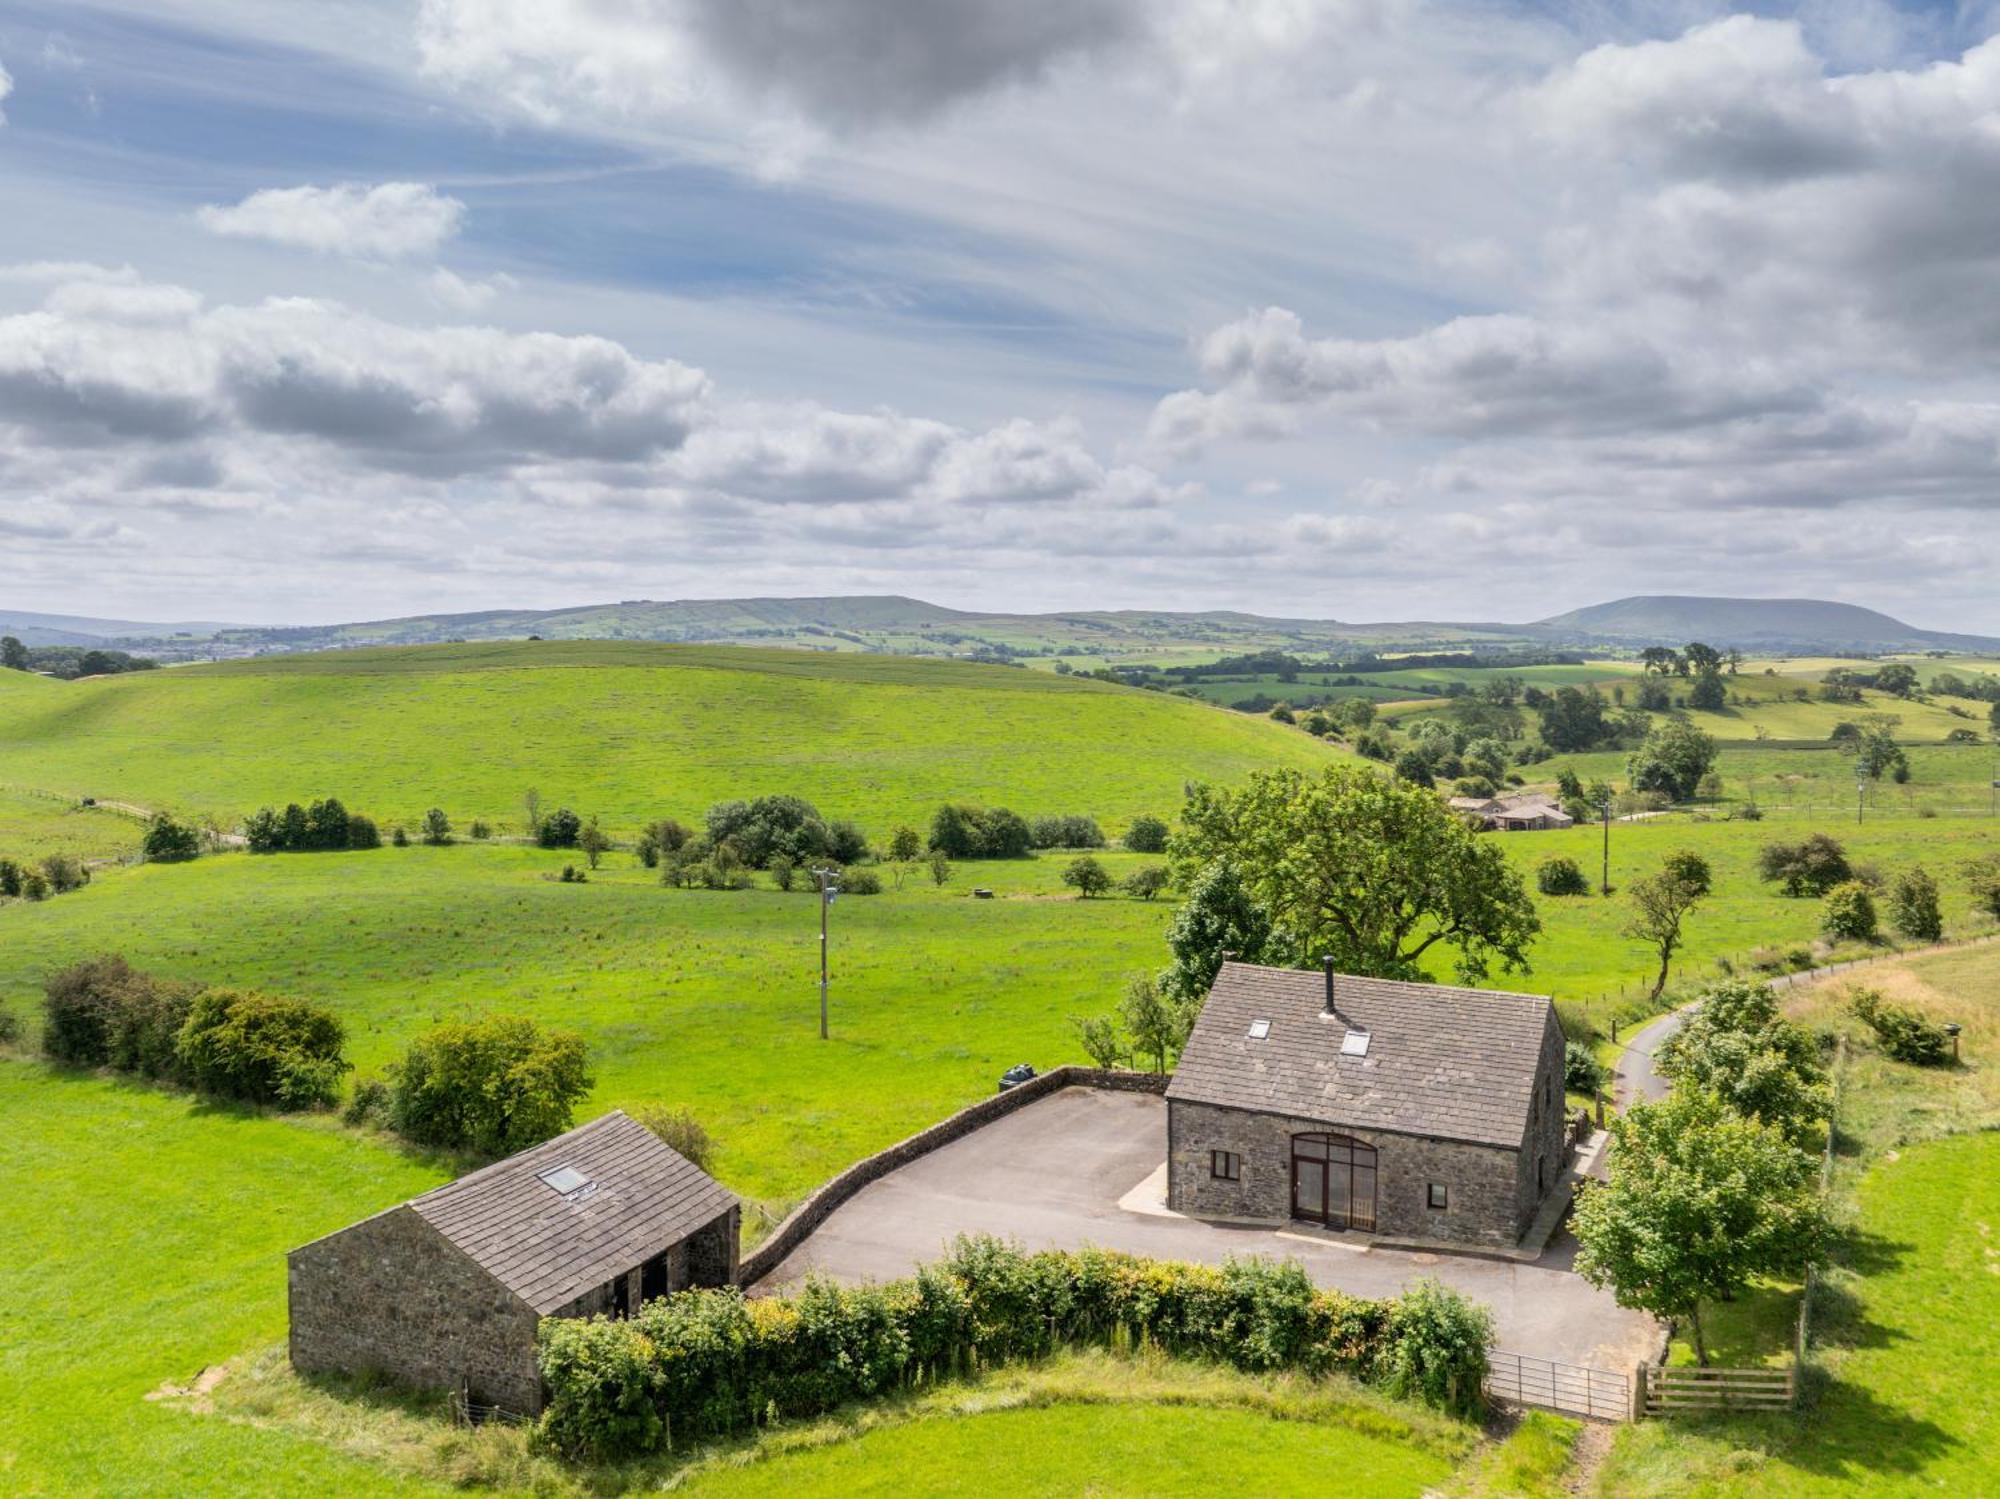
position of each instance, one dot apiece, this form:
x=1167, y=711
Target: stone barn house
x=1411, y=1110
x=445, y=1291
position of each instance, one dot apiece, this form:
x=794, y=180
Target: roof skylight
x=1259, y=1029
x=564, y=1179
x=1354, y=1044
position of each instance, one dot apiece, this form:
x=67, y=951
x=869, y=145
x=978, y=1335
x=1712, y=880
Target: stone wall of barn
x=390, y=1296
x=1545, y=1152
x=1482, y=1183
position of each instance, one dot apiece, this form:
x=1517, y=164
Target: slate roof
x=1450, y=1063
x=548, y=1248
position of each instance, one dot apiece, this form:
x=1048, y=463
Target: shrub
x=1913, y=906
x=1809, y=868
x=64, y=873
x=660, y=838
x=34, y=885
x=369, y=1104
x=1146, y=835
x=1849, y=913
x=962, y=832
x=10, y=879
x=1982, y=880
x=859, y=882
x=677, y=1127
x=559, y=829
x=263, y=1048
x=437, y=828
x=1902, y=1033
x=1437, y=1342
x=398, y=837
x=480, y=830
x=1560, y=875
x=10, y=1027
x=362, y=832
x=494, y=1086
x=784, y=873
x=1087, y=877
x=81, y=1006
x=1146, y=883
x=906, y=844
x=594, y=842
x=1071, y=830
x=940, y=866
x=707, y=1363
x=571, y=875
x=1582, y=1072
x=169, y=842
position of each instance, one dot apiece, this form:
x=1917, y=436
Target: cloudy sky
x=1347, y=308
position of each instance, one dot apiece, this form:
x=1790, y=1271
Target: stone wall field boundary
x=816, y=1209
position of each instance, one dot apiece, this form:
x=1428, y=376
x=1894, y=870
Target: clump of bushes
x=64, y=873
x=1913, y=906
x=709, y=1363
x=571, y=875
x=257, y=1048
x=660, y=838
x=1582, y=1072
x=783, y=826
x=1560, y=875
x=676, y=1126
x=491, y=1086
x=1810, y=868
x=559, y=829
x=58, y=874
x=1849, y=913
x=1147, y=882
x=964, y=832
x=1147, y=835
x=168, y=841
x=324, y=826
x=1071, y=830
x=1902, y=1033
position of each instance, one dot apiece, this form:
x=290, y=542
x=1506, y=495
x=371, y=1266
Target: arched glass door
x=1333, y=1181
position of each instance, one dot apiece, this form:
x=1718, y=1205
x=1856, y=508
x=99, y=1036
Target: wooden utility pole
x=827, y=891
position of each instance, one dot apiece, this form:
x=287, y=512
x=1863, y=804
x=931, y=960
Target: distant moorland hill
x=905, y=626
x=626, y=731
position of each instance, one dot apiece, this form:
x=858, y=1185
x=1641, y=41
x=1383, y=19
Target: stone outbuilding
x=446, y=1290
x=1409, y=1110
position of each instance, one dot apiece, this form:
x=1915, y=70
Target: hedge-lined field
x=627, y=732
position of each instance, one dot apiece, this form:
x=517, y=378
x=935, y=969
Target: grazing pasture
x=626, y=731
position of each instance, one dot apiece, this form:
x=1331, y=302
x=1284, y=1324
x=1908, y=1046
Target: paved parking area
x=1051, y=1176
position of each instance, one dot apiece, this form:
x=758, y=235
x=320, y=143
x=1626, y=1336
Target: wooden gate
x=1520, y=1379
x=1686, y=1389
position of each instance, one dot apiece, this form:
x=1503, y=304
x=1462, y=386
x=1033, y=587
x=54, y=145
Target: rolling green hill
x=623, y=730
x=1752, y=624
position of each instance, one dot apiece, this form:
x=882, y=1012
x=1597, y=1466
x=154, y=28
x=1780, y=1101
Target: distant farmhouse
x=445, y=1291
x=1513, y=814
x=1415, y=1110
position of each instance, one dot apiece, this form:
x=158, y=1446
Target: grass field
x=625, y=731
x=33, y=825
x=1907, y=1322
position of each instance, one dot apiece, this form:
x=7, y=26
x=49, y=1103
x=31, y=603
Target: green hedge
x=704, y=1364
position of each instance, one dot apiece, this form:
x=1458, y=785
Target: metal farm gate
x=1576, y=1389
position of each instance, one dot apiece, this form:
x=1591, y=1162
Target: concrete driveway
x=1051, y=1176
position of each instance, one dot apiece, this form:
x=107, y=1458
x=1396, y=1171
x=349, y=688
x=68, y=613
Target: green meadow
x=625, y=731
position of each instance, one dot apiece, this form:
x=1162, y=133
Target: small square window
x=1440, y=1198
x=1259, y=1029
x=1225, y=1165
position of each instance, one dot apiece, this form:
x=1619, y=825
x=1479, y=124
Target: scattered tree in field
x=1662, y=660
x=906, y=845
x=1357, y=713
x=1913, y=906
x=1849, y=913
x=1982, y=883
x=1157, y=1025
x=13, y=654
x=1701, y=1201
x=327, y=824
x=676, y=1127
x=1810, y=868
x=1100, y=1040
x=493, y=1086
x=761, y=830
x=531, y=809
x=1898, y=679
x=784, y=873
x=168, y=841
x=1672, y=760
x=294, y=827
x=964, y=832
x=399, y=836
x=437, y=828
x=560, y=829
x=1087, y=877
x=64, y=873
x=594, y=842
x=1413, y=769
x=480, y=831
x=658, y=839
x=1559, y=875
x=1879, y=753
x=1661, y=904
x=1145, y=883
x=263, y=1048
x=10, y=879
x=1068, y=830
x=1736, y=1046
x=940, y=866
x=1372, y=873
x=1708, y=695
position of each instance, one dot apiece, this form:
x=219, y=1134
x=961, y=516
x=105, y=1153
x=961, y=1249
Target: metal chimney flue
x=1326, y=962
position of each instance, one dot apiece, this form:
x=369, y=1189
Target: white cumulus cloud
x=383, y=221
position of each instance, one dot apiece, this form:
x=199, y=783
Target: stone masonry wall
x=1481, y=1182
x=815, y=1210
x=390, y=1296
x=1547, y=1143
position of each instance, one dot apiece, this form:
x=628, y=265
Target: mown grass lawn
x=1064, y=1450
x=142, y=1237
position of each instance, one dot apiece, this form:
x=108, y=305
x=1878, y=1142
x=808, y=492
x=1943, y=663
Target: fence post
x=1639, y=1393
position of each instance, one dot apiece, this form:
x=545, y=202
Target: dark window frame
x=1439, y=1196
x=1225, y=1166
